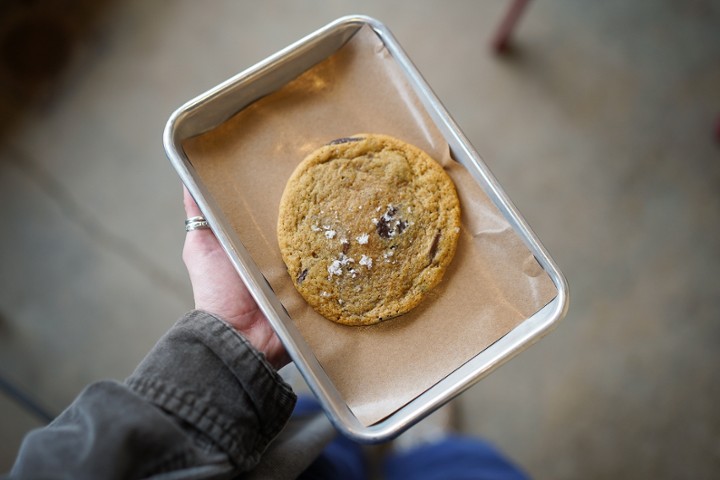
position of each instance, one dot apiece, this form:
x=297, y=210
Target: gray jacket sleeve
x=203, y=404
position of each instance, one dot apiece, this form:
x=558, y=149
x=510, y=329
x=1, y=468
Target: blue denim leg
x=455, y=458
x=341, y=458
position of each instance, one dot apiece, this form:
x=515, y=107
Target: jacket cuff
x=208, y=375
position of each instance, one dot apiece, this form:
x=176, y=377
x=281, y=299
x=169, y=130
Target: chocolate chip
x=346, y=247
x=338, y=141
x=434, y=246
x=401, y=226
x=382, y=228
x=302, y=276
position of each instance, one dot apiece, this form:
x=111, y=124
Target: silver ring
x=196, y=223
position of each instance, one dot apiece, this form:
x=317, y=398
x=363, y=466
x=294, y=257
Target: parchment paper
x=492, y=285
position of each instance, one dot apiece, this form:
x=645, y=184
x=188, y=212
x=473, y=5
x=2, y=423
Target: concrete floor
x=599, y=126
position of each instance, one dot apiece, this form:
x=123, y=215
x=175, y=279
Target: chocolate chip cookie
x=368, y=224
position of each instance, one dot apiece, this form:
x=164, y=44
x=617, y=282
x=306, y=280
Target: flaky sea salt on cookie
x=367, y=226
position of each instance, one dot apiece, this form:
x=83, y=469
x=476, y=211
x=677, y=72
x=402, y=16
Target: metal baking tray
x=215, y=106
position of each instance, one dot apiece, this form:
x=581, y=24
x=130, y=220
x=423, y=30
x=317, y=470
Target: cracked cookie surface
x=367, y=226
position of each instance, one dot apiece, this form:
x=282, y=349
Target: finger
x=191, y=208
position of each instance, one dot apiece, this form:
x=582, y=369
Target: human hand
x=218, y=289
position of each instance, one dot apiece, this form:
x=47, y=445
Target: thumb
x=191, y=208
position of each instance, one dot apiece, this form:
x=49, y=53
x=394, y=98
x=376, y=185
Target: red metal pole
x=501, y=40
